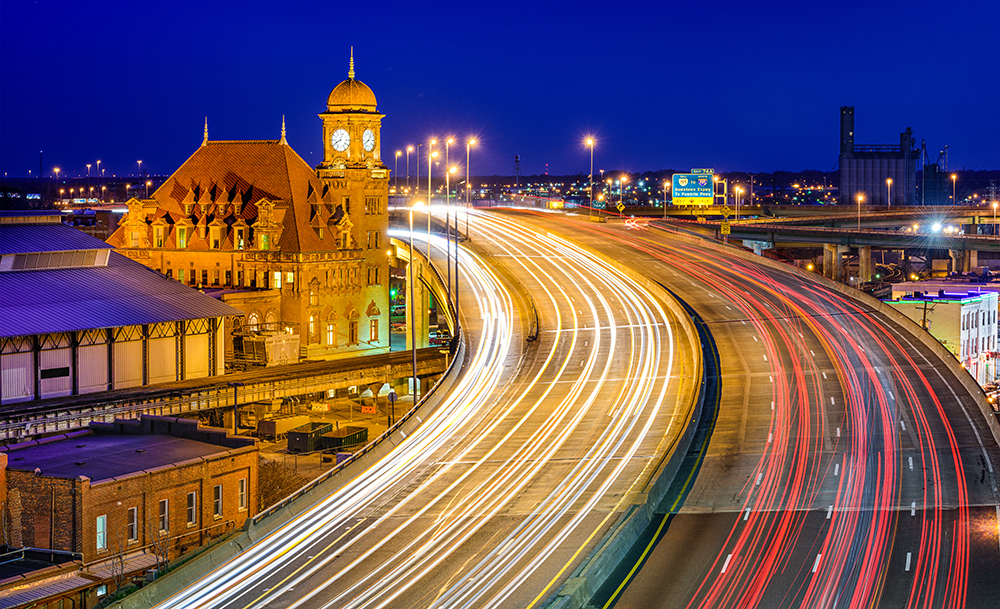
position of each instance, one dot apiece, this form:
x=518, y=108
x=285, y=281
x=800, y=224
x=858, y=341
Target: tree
x=275, y=482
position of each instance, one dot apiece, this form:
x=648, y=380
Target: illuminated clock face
x=368, y=139
x=340, y=140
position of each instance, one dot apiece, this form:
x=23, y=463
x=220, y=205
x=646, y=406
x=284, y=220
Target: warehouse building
x=77, y=317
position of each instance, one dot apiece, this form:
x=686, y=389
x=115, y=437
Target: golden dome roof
x=351, y=94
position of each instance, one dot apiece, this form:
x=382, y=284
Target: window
x=181, y=236
x=192, y=509
x=158, y=236
x=180, y=275
x=243, y=494
x=277, y=280
x=134, y=239
x=217, y=501
x=215, y=277
x=132, y=524
x=313, y=337
x=313, y=297
x=290, y=277
x=347, y=204
x=164, y=520
x=373, y=330
x=102, y=590
x=352, y=331
x=264, y=242
x=239, y=238
x=204, y=277
x=215, y=234
x=343, y=240
x=330, y=335
x=102, y=533
x=320, y=232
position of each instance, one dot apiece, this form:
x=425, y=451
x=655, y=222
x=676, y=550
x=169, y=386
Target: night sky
x=733, y=85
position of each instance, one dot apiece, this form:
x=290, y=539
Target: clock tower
x=351, y=126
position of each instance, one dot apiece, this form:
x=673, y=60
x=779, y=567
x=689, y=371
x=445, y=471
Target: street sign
x=726, y=212
x=725, y=228
x=392, y=396
x=708, y=171
x=621, y=207
x=693, y=188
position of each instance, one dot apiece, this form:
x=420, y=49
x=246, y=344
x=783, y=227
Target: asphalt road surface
x=847, y=468
x=514, y=477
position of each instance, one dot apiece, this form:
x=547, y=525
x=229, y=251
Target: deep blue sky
x=732, y=85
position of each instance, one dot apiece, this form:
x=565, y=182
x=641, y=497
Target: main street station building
x=299, y=250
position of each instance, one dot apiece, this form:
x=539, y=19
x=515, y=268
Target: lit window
x=352, y=331
x=239, y=238
x=164, y=512
x=264, y=242
x=277, y=280
x=216, y=234
x=132, y=525
x=243, y=494
x=290, y=277
x=373, y=330
x=192, y=509
x=217, y=501
x=330, y=336
x=102, y=533
x=158, y=236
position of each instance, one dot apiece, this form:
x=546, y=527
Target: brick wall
x=36, y=502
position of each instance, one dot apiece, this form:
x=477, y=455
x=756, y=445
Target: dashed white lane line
x=746, y=514
x=769, y=438
x=759, y=476
x=772, y=378
x=832, y=401
x=903, y=425
x=891, y=396
x=838, y=432
x=911, y=463
x=772, y=404
x=813, y=352
x=908, y=560
x=836, y=469
x=824, y=376
x=755, y=339
x=725, y=565
x=816, y=564
x=765, y=358
x=913, y=508
x=829, y=512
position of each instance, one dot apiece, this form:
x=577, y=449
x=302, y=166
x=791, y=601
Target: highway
x=846, y=469
x=515, y=475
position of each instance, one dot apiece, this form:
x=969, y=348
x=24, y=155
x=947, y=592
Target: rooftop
x=104, y=452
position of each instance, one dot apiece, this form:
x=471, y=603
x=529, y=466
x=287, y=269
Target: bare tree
x=275, y=482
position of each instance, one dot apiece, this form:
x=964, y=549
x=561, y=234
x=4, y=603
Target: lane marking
x=772, y=378
x=902, y=424
x=800, y=335
x=911, y=463
x=829, y=512
x=769, y=438
x=891, y=396
x=813, y=352
x=772, y=404
x=759, y=476
x=402, y=433
x=755, y=339
x=824, y=376
x=725, y=565
x=746, y=514
x=913, y=508
x=908, y=560
x=836, y=469
x=838, y=432
x=729, y=308
x=832, y=402
x=765, y=358
x=816, y=564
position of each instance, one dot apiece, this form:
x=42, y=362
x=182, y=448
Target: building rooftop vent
x=69, y=259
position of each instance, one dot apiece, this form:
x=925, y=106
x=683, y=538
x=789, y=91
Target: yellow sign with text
x=692, y=200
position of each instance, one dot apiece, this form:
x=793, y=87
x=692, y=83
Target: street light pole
x=140, y=167
x=430, y=158
x=409, y=149
x=861, y=197
x=590, y=142
x=468, y=185
x=412, y=306
x=447, y=210
x=954, y=199
x=738, y=190
x=395, y=173
x=665, y=200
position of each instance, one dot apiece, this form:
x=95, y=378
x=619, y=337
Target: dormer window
x=215, y=235
x=239, y=238
x=181, y=237
x=264, y=242
x=157, y=236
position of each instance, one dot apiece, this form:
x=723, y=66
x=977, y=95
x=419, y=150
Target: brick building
x=158, y=485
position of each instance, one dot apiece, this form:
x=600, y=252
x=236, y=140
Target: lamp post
x=468, y=185
x=738, y=190
x=954, y=200
x=148, y=184
x=666, y=186
x=590, y=142
x=88, y=170
x=56, y=169
x=412, y=306
x=447, y=209
x=99, y=167
x=395, y=173
x=409, y=149
x=430, y=159
x=140, y=167
x=621, y=189
x=861, y=197
x=888, y=192
x=103, y=188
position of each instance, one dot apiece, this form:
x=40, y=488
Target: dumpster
x=345, y=437
x=307, y=438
